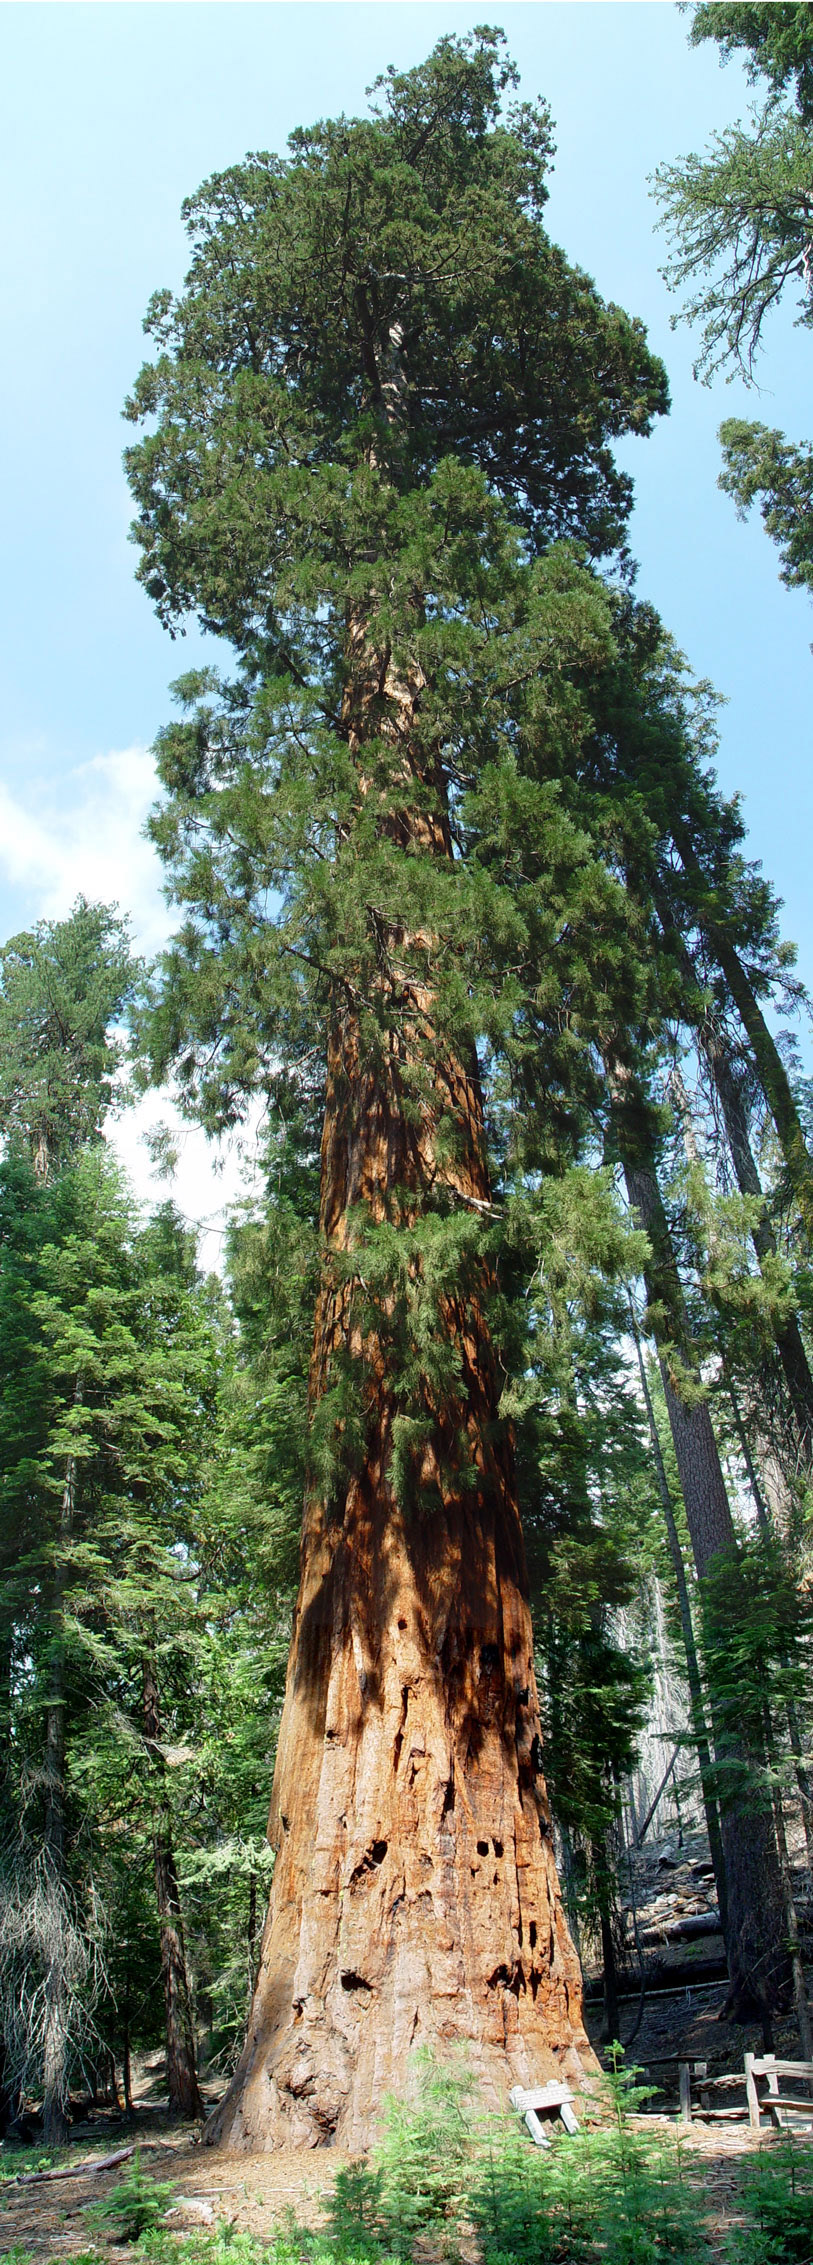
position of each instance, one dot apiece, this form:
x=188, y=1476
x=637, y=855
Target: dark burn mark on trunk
x=373, y=1856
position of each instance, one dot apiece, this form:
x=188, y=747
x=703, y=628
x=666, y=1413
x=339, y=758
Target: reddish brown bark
x=415, y=1897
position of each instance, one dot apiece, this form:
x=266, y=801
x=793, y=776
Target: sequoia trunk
x=415, y=1898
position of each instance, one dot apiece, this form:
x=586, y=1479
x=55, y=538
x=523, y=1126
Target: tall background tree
x=740, y=223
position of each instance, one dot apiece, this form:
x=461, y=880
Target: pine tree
x=61, y=987
x=747, y=202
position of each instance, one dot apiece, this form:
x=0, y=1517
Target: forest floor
x=672, y=1903
x=681, y=2019
x=259, y=2194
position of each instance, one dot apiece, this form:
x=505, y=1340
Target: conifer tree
x=755, y=1942
x=63, y=986
x=740, y=222
x=711, y=917
x=381, y=397
x=94, y=1408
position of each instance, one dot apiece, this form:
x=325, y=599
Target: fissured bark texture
x=415, y=1898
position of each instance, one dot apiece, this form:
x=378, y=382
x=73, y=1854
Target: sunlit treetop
x=63, y=987
x=739, y=216
x=383, y=297
x=775, y=41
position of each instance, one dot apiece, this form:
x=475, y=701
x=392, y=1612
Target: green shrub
x=778, y=2199
x=134, y=2206
x=419, y=2179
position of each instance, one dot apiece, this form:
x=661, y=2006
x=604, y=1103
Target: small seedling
x=135, y=2205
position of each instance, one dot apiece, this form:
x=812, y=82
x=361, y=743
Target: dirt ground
x=682, y=2019
x=256, y=2193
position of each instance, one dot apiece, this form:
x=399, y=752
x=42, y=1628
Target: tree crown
x=63, y=985
x=385, y=296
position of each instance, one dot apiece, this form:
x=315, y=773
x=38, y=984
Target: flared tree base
x=415, y=1898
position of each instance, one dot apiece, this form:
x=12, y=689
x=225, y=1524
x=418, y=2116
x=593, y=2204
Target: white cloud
x=86, y=838
x=54, y=849
x=209, y=1177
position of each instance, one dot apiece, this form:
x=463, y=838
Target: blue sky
x=109, y=116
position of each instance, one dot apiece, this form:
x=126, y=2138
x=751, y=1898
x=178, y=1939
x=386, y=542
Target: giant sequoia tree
x=379, y=416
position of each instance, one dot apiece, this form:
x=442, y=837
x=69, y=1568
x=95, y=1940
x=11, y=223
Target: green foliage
x=134, y=2206
x=62, y=986
x=444, y=2171
x=739, y=217
x=19, y=2159
x=155, y=1557
x=585, y=1487
x=759, y=463
x=776, y=40
x=615, y=2194
x=392, y=268
x=778, y=2200
x=424, y=2152
x=757, y=1634
x=740, y=222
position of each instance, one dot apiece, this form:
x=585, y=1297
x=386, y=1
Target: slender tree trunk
x=415, y=1897
x=571, y=1888
x=787, y=1334
x=770, y=1067
x=251, y=1934
x=693, y=1677
x=56, y=2048
x=757, y=1957
x=610, y=2030
x=764, y=1235
x=184, y=2096
x=126, y=2063
x=794, y=1731
x=9, y=2098
x=773, y=1078
x=717, y=1056
x=800, y=1998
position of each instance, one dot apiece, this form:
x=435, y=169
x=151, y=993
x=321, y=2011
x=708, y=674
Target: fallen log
x=73, y=2170
x=688, y=1929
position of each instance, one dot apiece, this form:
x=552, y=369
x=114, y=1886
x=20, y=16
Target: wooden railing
x=783, y=2108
